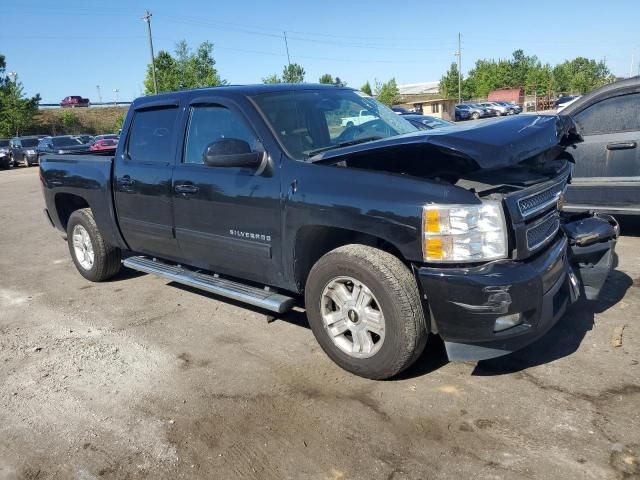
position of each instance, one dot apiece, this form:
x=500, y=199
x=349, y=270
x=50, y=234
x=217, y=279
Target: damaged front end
x=491, y=308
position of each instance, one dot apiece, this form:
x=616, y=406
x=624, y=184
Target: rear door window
x=151, y=135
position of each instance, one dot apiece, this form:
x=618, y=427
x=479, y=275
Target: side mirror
x=231, y=152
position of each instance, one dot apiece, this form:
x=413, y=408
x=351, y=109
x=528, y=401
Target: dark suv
x=23, y=150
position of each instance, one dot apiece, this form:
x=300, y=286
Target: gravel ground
x=138, y=378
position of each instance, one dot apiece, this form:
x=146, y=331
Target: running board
x=257, y=297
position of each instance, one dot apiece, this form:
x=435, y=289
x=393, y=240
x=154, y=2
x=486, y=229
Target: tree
x=388, y=92
x=526, y=71
x=117, y=126
x=17, y=113
x=293, y=73
x=366, y=88
x=580, y=75
x=272, y=79
x=70, y=122
x=185, y=70
x=326, y=78
x=449, y=82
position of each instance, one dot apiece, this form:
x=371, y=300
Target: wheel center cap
x=353, y=316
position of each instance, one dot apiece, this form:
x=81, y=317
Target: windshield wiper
x=348, y=143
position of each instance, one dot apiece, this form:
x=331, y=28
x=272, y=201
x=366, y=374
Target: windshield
x=65, y=141
x=309, y=121
x=29, y=142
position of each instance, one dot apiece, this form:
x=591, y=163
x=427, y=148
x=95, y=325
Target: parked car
x=23, y=151
x=105, y=136
x=474, y=111
x=462, y=112
x=513, y=107
x=362, y=117
x=386, y=236
x=606, y=174
x=487, y=111
x=426, y=122
x=401, y=110
x=60, y=145
x=5, y=156
x=74, y=101
x=104, y=144
x=563, y=99
x=85, y=138
x=499, y=108
x=562, y=105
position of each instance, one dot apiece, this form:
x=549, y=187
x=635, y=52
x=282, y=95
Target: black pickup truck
x=385, y=232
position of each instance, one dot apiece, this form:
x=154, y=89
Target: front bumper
x=464, y=303
x=32, y=158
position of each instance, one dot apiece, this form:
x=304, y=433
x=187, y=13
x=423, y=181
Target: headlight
x=31, y=152
x=464, y=233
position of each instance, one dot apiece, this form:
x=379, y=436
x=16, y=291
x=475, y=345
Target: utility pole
x=115, y=92
x=459, y=55
x=286, y=45
x=147, y=18
x=99, y=94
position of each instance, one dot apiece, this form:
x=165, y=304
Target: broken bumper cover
x=466, y=302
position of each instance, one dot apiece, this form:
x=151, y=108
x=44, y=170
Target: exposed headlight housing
x=4, y=151
x=464, y=233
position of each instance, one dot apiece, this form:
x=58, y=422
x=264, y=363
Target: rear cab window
x=151, y=135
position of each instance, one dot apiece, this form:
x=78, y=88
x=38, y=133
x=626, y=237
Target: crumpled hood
x=484, y=145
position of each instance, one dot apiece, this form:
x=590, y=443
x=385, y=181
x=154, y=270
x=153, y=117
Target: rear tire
x=337, y=316
x=95, y=259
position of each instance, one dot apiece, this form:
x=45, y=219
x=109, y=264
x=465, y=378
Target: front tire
x=475, y=116
x=365, y=311
x=95, y=259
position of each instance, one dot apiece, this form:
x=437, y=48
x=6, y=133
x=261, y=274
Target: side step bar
x=257, y=297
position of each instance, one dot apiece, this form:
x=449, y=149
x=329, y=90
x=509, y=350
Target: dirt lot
x=137, y=378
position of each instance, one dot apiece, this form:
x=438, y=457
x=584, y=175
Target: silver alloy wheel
x=352, y=317
x=82, y=247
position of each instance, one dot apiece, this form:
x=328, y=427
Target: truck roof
x=245, y=90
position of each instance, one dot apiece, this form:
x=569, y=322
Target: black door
x=142, y=182
x=607, y=169
x=227, y=219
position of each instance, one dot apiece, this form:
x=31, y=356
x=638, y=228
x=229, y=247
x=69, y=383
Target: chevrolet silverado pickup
x=383, y=232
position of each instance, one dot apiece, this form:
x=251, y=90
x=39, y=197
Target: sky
x=69, y=47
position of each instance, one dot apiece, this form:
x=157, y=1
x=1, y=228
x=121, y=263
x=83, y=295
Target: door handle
x=621, y=145
x=126, y=181
x=186, y=189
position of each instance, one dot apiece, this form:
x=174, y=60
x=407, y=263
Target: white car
x=363, y=117
x=563, y=105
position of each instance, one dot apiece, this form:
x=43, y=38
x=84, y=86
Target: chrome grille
x=542, y=231
x=540, y=201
